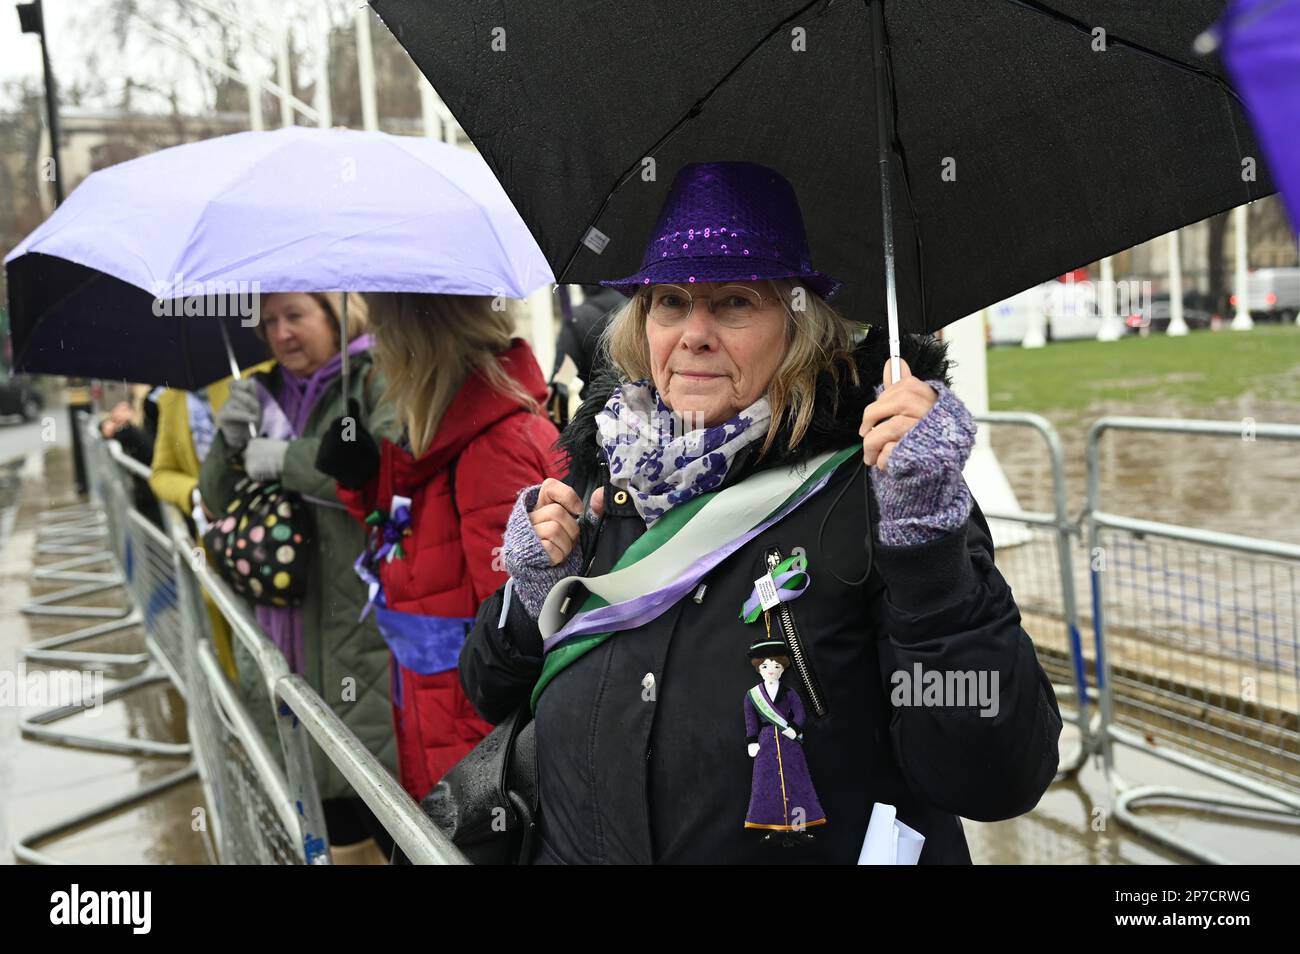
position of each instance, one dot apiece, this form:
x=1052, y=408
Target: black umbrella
x=70, y=319
x=1021, y=139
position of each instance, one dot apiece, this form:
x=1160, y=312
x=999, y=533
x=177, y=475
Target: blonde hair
x=818, y=339
x=332, y=304
x=428, y=345
x=358, y=311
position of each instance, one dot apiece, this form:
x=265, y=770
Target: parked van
x=1274, y=294
x=1068, y=310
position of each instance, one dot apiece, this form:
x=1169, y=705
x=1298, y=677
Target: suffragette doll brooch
x=782, y=797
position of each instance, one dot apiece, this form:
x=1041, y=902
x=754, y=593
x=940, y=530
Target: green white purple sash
x=766, y=709
x=670, y=558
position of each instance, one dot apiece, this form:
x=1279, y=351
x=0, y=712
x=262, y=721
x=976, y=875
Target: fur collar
x=835, y=422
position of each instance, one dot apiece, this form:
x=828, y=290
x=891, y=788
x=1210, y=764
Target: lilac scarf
x=284, y=418
x=663, y=460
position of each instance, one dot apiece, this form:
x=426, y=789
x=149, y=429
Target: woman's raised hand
x=240, y=415
x=555, y=517
x=894, y=412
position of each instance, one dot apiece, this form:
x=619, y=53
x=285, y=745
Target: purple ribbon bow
x=387, y=531
x=797, y=574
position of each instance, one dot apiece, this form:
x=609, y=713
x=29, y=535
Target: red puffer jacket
x=461, y=489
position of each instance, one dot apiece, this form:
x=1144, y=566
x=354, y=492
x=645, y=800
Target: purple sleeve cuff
x=526, y=559
x=921, y=493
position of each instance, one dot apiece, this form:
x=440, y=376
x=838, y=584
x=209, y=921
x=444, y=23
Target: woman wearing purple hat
x=717, y=501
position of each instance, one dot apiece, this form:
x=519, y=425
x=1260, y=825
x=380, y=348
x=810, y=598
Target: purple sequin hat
x=728, y=221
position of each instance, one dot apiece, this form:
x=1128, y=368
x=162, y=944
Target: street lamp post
x=321, y=33
x=439, y=123
x=32, y=19
x=283, y=75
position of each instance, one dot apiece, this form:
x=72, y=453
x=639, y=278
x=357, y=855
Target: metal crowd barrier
x=1043, y=572
x=263, y=804
x=1192, y=663
x=108, y=532
x=1196, y=651
x=252, y=814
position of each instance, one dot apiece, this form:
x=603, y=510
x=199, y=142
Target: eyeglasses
x=731, y=305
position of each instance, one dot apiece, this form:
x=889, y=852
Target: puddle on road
x=1228, y=484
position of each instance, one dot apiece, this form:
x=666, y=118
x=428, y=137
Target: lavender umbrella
x=1260, y=44
x=123, y=281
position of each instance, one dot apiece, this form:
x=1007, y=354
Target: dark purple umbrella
x=1260, y=42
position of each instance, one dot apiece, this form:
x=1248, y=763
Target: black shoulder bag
x=487, y=803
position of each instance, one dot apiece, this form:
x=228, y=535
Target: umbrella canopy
x=1026, y=142
x=67, y=318
x=1261, y=45
x=296, y=209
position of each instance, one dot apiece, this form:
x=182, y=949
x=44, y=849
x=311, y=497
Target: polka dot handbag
x=261, y=544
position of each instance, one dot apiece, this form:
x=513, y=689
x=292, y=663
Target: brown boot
x=358, y=853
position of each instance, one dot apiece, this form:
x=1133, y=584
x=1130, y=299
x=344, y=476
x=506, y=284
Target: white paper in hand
x=889, y=841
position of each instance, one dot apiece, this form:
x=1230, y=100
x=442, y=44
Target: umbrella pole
x=230, y=351
x=343, y=349
x=234, y=365
x=884, y=136
x=885, y=148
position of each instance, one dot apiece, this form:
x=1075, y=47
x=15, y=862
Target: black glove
x=557, y=405
x=347, y=451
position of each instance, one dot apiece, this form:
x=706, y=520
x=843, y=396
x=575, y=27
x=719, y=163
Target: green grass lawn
x=1200, y=368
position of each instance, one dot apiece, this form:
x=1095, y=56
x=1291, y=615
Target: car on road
x=19, y=397
x=1156, y=315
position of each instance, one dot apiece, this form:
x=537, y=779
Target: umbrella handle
x=234, y=365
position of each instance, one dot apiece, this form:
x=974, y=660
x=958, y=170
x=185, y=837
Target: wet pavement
x=1073, y=823
x=42, y=784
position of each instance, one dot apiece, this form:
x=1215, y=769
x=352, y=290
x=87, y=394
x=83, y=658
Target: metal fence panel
x=1196, y=635
x=263, y=802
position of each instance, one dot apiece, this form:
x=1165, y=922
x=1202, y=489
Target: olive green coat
x=346, y=661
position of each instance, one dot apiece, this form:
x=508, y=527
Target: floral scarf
x=656, y=460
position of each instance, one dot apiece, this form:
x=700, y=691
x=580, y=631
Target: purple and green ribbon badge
x=387, y=529
x=789, y=578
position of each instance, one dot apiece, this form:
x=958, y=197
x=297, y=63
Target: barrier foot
x=1128, y=801
x=26, y=852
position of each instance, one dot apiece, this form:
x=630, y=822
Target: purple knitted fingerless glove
x=526, y=560
x=921, y=493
